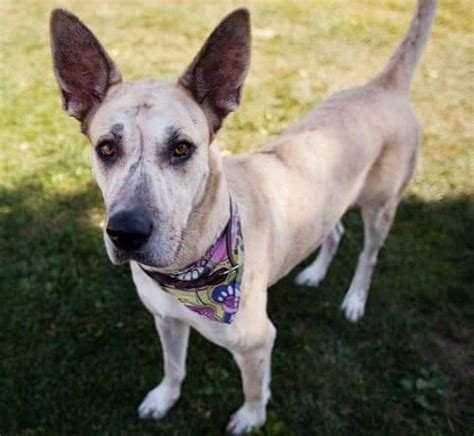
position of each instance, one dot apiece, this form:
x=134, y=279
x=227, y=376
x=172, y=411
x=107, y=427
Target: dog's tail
x=399, y=70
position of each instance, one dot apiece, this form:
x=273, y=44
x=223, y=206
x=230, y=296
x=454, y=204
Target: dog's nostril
x=129, y=229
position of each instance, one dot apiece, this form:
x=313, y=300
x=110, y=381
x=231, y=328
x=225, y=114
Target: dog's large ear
x=217, y=73
x=83, y=69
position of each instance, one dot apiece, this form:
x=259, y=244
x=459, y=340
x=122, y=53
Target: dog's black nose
x=129, y=229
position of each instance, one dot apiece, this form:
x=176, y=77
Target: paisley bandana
x=211, y=285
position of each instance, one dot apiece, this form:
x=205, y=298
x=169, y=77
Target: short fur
x=360, y=146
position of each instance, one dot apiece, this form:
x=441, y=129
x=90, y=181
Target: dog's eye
x=106, y=150
x=181, y=150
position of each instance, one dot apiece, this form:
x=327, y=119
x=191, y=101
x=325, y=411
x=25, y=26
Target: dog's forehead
x=152, y=105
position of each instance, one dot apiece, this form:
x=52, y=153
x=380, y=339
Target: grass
x=77, y=349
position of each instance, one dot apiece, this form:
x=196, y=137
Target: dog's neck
x=208, y=217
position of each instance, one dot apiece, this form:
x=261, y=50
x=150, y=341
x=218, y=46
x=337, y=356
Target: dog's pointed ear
x=216, y=75
x=83, y=69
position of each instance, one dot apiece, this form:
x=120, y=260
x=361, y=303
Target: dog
x=206, y=236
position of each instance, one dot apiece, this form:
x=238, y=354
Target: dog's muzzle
x=129, y=229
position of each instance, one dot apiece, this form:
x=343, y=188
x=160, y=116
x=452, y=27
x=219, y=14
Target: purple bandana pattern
x=211, y=285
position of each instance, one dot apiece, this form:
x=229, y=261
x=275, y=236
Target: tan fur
x=358, y=147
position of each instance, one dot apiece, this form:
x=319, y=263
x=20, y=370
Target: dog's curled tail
x=399, y=70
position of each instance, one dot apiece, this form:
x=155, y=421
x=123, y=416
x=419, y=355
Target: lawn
x=77, y=349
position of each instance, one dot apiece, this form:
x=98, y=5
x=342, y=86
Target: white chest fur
x=166, y=306
x=157, y=301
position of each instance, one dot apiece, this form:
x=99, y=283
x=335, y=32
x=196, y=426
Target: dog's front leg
x=174, y=337
x=255, y=369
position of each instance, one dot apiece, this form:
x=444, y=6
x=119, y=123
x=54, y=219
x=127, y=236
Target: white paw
x=310, y=276
x=353, y=305
x=247, y=418
x=158, y=401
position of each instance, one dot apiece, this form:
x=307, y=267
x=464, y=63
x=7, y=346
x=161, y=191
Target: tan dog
x=167, y=189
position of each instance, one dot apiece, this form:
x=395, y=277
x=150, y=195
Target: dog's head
x=151, y=138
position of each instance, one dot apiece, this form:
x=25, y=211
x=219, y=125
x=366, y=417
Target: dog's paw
x=310, y=276
x=246, y=418
x=353, y=306
x=158, y=401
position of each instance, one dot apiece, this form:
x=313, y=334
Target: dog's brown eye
x=107, y=150
x=181, y=150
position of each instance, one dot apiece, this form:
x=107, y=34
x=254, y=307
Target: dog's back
x=359, y=146
x=382, y=105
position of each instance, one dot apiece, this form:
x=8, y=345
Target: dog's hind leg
x=174, y=337
x=377, y=223
x=316, y=272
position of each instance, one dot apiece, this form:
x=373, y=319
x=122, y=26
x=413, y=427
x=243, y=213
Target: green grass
x=77, y=349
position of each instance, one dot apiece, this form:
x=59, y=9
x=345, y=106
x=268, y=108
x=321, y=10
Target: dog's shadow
x=79, y=351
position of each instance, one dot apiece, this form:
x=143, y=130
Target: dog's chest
x=165, y=306
x=158, y=302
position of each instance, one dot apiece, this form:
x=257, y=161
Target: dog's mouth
x=120, y=256
x=145, y=258
x=153, y=255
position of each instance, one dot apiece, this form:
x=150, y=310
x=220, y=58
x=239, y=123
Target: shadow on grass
x=78, y=350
